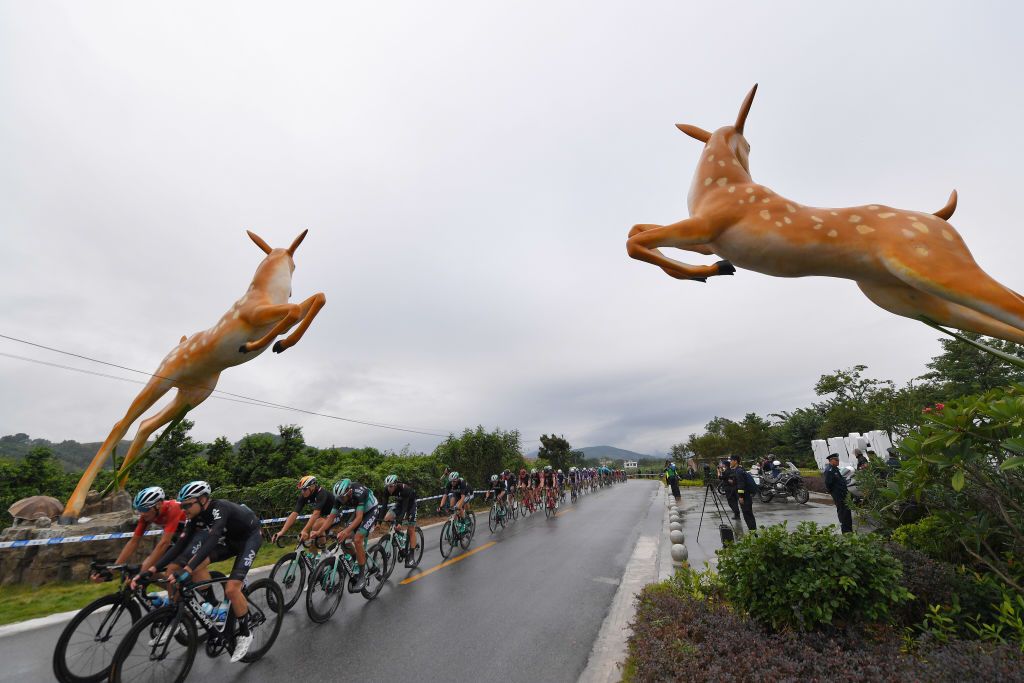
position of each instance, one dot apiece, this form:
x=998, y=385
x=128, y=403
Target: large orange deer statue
x=910, y=263
x=194, y=365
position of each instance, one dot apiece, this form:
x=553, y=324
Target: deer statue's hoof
x=279, y=347
x=700, y=279
x=726, y=268
x=242, y=349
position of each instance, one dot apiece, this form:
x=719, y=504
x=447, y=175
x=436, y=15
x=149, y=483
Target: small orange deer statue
x=910, y=263
x=194, y=365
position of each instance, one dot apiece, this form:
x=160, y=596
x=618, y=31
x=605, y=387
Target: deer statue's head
x=274, y=273
x=727, y=137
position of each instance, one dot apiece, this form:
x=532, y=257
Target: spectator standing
x=725, y=475
x=745, y=489
x=835, y=484
x=672, y=477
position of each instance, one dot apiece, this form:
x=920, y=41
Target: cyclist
x=457, y=488
x=348, y=492
x=322, y=500
x=535, y=486
x=560, y=480
x=498, y=490
x=153, y=508
x=238, y=527
x=405, y=509
x=548, y=482
x=509, y=479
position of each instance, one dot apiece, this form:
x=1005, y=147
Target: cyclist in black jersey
x=405, y=509
x=459, y=491
x=548, y=483
x=535, y=486
x=498, y=489
x=350, y=493
x=221, y=520
x=322, y=500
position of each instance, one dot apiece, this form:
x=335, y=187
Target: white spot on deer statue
x=898, y=262
x=194, y=365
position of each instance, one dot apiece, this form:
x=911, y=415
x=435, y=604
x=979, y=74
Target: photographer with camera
x=729, y=487
x=746, y=487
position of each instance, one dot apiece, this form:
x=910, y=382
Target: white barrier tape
x=128, y=534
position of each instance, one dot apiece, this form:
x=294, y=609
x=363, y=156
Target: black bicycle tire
x=368, y=594
x=340, y=588
x=143, y=625
x=260, y=584
x=60, y=669
x=446, y=539
x=301, y=582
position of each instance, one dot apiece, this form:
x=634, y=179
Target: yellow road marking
x=460, y=558
x=559, y=514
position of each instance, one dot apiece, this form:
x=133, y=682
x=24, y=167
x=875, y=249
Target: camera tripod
x=710, y=488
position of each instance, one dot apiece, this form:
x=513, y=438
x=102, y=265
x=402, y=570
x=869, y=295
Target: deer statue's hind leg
x=691, y=234
x=150, y=394
x=185, y=400
x=902, y=299
x=307, y=310
x=959, y=280
x=284, y=315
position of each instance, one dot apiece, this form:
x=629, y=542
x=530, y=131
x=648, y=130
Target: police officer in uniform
x=835, y=484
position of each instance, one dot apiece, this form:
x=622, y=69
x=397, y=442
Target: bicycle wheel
x=326, y=589
x=170, y=660
x=389, y=546
x=467, y=536
x=492, y=519
x=375, y=572
x=86, y=647
x=447, y=539
x=266, y=611
x=549, y=508
x=417, y=554
x=290, y=574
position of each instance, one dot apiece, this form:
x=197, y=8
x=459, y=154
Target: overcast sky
x=468, y=173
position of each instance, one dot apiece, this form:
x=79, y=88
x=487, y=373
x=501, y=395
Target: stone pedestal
x=41, y=564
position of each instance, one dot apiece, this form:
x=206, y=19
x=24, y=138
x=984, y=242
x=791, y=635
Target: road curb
x=609, y=649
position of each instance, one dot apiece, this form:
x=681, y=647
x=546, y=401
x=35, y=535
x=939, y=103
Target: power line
x=239, y=398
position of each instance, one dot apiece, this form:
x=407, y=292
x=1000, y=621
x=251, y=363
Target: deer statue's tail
x=945, y=212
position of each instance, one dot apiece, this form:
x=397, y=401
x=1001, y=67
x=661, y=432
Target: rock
x=43, y=523
x=675, y=526
x=676, y=537
x=679, y=553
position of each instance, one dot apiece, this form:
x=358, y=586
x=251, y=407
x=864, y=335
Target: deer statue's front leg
x=690, y=233
x=285, y=315
x=307, y=310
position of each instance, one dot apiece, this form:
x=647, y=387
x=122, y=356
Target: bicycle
x=327, y=585
x=574, y=493
x=395, y=545
x=168, y=638
x=457, y=532
x=291, y=572
x=549, y=503
x=86, y=646
x=497, y=516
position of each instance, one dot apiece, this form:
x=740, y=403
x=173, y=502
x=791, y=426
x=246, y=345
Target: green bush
x=811, y=577
x=931, y=536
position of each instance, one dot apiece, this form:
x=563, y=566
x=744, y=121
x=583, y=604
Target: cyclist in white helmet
x=405, y=510
x=153, y=508
x=457, y=490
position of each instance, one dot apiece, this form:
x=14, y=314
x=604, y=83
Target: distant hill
x=609, y=452
x=74, y=456
x=612, y=453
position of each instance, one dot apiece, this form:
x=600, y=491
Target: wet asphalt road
x=527, y=608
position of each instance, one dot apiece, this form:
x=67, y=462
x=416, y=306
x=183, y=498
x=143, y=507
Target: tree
x=557, y=451
x=962, y=369
x=478, y=454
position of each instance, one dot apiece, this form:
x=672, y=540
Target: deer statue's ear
x=694, y=132
x=259, y=241
x=741, y=118
x=297, y=242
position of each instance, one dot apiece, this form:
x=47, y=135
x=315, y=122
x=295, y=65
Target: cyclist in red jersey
x=153, y=508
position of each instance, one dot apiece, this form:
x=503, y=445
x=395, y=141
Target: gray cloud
x=468, y=174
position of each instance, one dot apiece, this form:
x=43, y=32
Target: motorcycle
x=787, y=483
